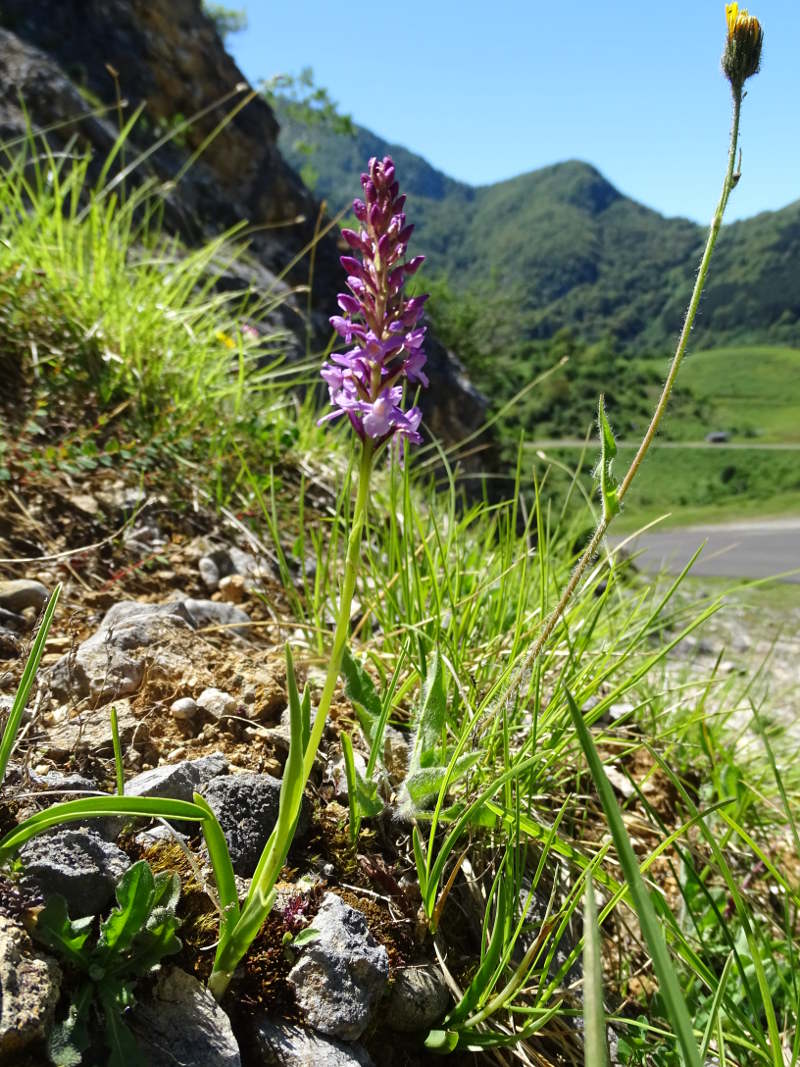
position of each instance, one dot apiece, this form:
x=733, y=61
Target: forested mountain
x=569, y=250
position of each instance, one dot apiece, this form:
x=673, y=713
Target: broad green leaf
x=425, y=783
x=442, y=1041
x=135, y=893
x=55, y=929
x=359, y=686
x=155, y=942
x=166, y=890
x=674, y=1004
x=124, y=1050
x=305, y=937
x=430, y=718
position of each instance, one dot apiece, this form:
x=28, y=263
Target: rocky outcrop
x=65, y=59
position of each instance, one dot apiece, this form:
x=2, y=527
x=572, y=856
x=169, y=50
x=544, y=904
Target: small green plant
x=132, y=942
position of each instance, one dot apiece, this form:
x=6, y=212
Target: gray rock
x=341, y=975
x=184, y=709
x=246, y=806
x=19, y=593
x=79, y=865
x=30, y=984
x=179, y=1022
x=216, y=703
x=419, y=998
x=217, y=613
x=60, y=784
x=111, y=663
x=209, y=572
x=282, y=1044
x=91, y=732
x=179, y=780
x=158, y=835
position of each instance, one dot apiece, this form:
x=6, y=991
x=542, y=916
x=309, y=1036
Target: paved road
x=735, y=550
x=592, y=445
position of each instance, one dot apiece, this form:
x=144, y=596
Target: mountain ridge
x=576, y=251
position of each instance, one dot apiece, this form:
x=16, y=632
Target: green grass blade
x=223, y=869
x=594, y=1016
x=26, y=684
x=672, y=997
x=96, y=807
x=352, y=785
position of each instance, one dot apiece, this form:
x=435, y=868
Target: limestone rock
x=30, y=983
x=419, y=998
x=341, y=975
x=179, y=1022
x=177, y=781
x=20, y=593
x=91, y=732
x=282, y=1044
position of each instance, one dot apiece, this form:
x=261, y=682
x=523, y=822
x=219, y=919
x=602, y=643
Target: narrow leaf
x=595, y=1049
x=26, y=684
x=671, y=995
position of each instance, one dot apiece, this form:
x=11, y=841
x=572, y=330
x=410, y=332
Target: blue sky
x=486, y=91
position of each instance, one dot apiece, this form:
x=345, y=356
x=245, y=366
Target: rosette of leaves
x=429, y=763
x=132, y=941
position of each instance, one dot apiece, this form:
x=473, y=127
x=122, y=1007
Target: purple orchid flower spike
x=365, y=383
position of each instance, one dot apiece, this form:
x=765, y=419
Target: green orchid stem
x=731, y=178
x=342, y=631
x=235, y=942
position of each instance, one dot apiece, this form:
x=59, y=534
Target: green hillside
x=750, y=392
x=571, y=251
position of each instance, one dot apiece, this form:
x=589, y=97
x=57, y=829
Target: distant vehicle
x=717, y=437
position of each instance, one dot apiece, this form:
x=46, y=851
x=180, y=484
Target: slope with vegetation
x=461, y=820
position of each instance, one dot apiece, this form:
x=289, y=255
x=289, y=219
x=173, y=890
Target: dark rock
x=78, y=864
x=30, y=984
x=178, y=1022
x=341, y=975
x=246, y=806
x=10, y=621
x=282, y=1044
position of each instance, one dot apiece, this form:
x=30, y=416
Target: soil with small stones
x=90, y=533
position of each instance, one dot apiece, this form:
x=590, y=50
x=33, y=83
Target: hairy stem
x=731, y=177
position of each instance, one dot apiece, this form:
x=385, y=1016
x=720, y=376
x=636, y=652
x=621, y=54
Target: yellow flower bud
x=742, y=54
